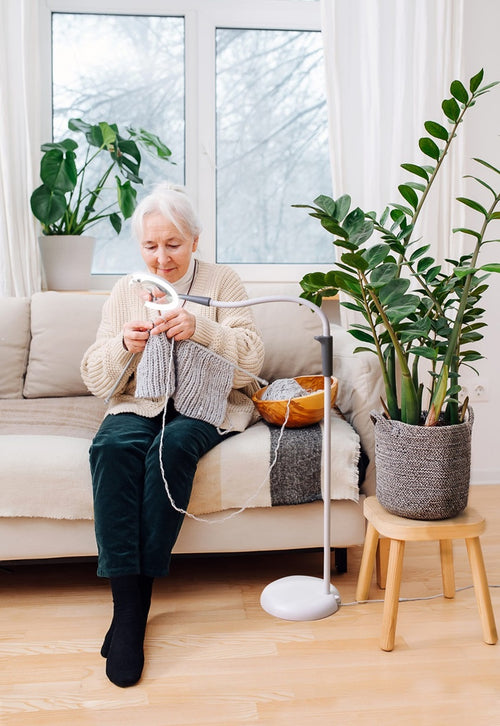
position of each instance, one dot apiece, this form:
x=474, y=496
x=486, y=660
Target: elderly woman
x=135, y=522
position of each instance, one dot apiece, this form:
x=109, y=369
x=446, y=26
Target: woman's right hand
x=135, y=335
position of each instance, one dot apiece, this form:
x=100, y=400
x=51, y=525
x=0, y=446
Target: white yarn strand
x=249, y=500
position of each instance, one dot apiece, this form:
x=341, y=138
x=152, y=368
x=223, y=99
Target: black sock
x=125, y=659
x=146, y=588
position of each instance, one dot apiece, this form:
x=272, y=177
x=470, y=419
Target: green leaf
x=58, y=170
x=393, y=289
x=333, y=227
x=116, y=222
x=64, y=145
x=343, y=205
x=405, y=306
x=354, y=220
x=126, y=197
x=480, y=181
x=451, y=109
x=409, y=194
x=475, y=81
x=424, y=264
x=326, y=204
x=419, y=252
x=152, y=143
x=353, y=306
x=354, y=260
x=471, y=355
x=487, y=165
x=473, y=205
x=362, y=349
x=436, y=130
x=405, y=211
x=361, y=335
x=459, y=91
x=376, y=254
x=382, y=275
x=465, y=230
x=364, y=232
x=108, y=134
x=348, y=284
x=423, y=352
x=491, y=267
x=76, y=124
x=418, y=170
x=432, y=273
x=429, y=147
x=48, y=205
x=464, y=271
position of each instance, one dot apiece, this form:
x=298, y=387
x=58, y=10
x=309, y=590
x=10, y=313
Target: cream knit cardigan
x=230, y=332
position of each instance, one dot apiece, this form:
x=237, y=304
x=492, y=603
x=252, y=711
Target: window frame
x=202, y=18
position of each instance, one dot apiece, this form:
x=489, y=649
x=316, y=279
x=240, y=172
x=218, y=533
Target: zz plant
x=413, y=307
x=69, y=199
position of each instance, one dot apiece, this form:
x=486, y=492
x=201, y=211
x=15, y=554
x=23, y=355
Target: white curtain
x=389, y=65
x=19, y=146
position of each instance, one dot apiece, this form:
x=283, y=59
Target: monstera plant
x=70, y=198
x=422, y=318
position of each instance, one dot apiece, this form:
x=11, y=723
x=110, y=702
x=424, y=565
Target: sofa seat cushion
x=51, y=439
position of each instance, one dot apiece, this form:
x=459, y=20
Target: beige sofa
x=47, y=420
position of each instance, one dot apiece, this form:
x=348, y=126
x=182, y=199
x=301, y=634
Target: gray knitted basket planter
x=423, y=472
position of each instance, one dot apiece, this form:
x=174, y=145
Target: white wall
x=482, y=139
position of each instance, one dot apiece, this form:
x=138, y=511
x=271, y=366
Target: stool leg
x=447, y=569
x=481, y=589
x=382, y=561
x=367, y=561
x=391, y=600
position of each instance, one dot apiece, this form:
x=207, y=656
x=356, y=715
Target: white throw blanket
x=51, y=438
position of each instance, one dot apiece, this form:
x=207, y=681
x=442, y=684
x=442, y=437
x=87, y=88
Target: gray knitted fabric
x=153, y=369
x=199, y=380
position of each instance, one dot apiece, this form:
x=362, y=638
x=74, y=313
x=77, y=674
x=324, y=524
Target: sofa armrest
x=360, y=387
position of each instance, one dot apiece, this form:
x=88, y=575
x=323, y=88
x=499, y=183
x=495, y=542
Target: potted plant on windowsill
x=70, y=200
x=421, y=318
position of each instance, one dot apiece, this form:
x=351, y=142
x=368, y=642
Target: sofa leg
x=340, y=555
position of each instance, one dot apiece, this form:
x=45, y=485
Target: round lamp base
x=300, y=597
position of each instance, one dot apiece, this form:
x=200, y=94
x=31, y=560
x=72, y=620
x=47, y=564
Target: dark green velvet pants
x=136, y=526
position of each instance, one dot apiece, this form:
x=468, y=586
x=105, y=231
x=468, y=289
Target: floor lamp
x=297, y=597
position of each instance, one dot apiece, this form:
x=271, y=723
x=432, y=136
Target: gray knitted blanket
x=197, y=379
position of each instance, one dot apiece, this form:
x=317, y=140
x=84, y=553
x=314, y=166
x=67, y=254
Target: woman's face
x=166, y=252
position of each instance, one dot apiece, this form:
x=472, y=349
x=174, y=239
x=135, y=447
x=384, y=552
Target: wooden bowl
x=304, y=410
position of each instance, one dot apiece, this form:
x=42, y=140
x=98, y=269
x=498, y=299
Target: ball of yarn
x=283, y=389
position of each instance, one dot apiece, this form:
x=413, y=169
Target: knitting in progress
x=199, y=381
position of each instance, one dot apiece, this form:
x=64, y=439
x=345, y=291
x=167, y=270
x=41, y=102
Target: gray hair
x=173, y=203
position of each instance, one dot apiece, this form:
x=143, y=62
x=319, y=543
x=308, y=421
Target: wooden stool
x=398, y=530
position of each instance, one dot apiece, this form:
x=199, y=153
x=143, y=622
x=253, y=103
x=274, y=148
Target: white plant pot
x=67, y=261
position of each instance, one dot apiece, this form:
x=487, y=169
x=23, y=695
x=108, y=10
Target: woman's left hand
x=177, y=324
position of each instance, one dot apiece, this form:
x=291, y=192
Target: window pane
x=127, y=70
x=272, y=146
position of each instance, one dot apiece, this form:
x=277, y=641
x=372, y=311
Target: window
x=272, y=147
x=127, y=70
x=237, y=94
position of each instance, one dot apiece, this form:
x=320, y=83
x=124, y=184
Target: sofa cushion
x=14, y=344
x=63, y=325
x=288, y=330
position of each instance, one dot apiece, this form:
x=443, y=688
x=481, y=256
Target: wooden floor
x=213, y=656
